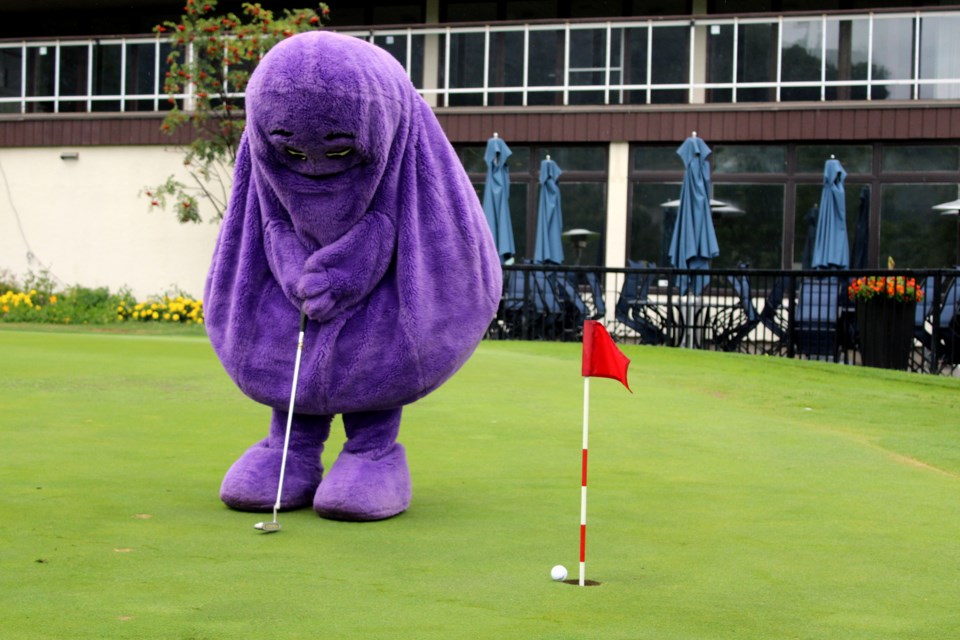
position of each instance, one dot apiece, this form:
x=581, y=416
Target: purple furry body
x=348, y=203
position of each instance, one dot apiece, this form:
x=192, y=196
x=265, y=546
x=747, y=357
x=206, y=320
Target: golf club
x=270, y=527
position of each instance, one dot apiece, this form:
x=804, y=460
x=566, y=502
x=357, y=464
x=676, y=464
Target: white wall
x=85, y=220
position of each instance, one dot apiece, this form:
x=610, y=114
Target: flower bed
x=41, y=300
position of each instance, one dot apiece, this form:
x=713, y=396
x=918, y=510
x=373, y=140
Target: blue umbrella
x=831, y=250
x=496, y=197
x=861, y=237
x=694, y=242
x=549, y=245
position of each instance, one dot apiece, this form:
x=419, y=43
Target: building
x=608, y=88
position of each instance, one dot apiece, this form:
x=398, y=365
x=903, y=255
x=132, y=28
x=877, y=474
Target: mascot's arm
x=286, y=256
x=343, y=273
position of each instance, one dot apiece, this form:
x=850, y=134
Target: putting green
x=730, y=497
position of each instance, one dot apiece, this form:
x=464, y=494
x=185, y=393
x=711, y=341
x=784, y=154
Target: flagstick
x=583, y=487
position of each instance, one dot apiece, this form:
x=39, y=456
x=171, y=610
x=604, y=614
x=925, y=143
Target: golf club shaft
x=293, y=399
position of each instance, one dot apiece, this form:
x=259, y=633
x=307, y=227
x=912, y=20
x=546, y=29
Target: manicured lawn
x=730, y=497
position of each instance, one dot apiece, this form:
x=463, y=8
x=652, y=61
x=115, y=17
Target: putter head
x=267, y=527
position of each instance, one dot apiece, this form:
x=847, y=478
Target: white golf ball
x=559, y=572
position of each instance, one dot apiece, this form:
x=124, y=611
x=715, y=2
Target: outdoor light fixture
x=69, y=155
x=718, y=207
x=948, y=208
x=579, y=237
x=951, y=208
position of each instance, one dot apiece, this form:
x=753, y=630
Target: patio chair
x=815, y=318
x=652, y=322
x=731, y=326
x=942, y=330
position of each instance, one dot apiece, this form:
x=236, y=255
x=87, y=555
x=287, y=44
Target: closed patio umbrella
x=694, y=241
x=831, y=250
x=861, y=238
x=549, y=242
x=496, y=197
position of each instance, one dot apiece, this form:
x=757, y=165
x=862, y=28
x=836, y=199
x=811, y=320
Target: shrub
x=39, y=300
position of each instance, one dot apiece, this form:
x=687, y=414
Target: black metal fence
x=796, y=314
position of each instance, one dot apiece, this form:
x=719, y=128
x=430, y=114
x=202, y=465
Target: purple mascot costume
x=350, y=204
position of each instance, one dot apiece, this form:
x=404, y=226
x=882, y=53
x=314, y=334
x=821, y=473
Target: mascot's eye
x=339, y=153
x=296, y=153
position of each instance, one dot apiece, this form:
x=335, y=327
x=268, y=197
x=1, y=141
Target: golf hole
x=586, y=583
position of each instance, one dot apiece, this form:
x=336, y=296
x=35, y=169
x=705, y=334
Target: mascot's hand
x=316, y=291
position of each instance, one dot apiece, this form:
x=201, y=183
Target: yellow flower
x=136, y=315
x=166, y=316
x=6, y=309
x=176, y=317
x=156, y=316
x=53, y=299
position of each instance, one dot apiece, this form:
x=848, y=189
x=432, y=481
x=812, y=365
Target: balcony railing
x=796, y=314
x=849, y=56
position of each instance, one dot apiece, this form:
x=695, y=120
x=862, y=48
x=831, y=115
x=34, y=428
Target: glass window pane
x=396, y=45
x=466, y=67
x=911, y=232
x=10, y=73
x=755, y=236
x=40, y=78
x=472, y=159
x=506, y=67
x=749, y=159
x=521, y=218
x=756, y=61
x=847, y=48
x=801, y=49
x=584, y=206
x=651, y=225
x=801, y=59
x=577, y=158
x=657, y=158
x=854, y=158
x=892, y=56
x=719, y=60
x=73, y=70
x=635, y=64
x=940, y=56
x=920, y=158
x=106, y=70
x=545, y=65
x=141, y=69
x=40, y=69
x=588, y=62
x=671, y=54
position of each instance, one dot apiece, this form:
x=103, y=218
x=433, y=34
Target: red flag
x=601, y=356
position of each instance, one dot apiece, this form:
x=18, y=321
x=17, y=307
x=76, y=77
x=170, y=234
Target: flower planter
x=885, y=328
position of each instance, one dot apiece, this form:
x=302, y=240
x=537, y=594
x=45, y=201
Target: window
x=582, y=193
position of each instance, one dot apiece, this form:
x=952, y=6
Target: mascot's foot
x=361, y=489
x=251, y=483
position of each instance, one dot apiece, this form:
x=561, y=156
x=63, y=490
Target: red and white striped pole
x=583, y=483
x=603, y=359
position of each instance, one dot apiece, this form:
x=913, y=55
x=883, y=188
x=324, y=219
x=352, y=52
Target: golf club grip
x=303, y=321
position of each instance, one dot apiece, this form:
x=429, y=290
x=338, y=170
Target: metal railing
x=797, y=314
x=843, y=56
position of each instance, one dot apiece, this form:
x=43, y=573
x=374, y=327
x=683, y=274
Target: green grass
x=730, y=497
